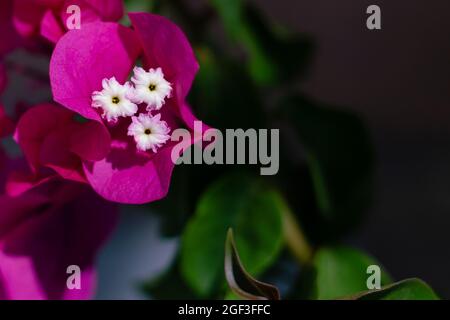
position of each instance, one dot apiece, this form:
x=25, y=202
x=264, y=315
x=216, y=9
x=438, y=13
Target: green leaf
x=342, y=271
x=339, y=156
x=274, y=57
x=232, y=14
x=409, y=289
x=290, y=53
x=240, y=281
x=248, y=206
x=141, y=6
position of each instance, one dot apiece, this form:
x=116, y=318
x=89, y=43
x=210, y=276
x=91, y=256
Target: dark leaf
x=290, y=53
x=223, y=94
x=339, y=156
x=248, y=206
x=232, y=15
x=409, y=289
x=240, y=281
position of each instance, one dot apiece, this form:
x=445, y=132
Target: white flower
x=150, y=88
x=149, y=132
x=114, y=100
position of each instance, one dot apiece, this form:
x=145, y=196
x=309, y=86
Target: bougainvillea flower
x=46, y=230
x=136, y=169
x=51, y=138
x=49, y=17
x=151, y=88
x=114, y=100
x=149, y=132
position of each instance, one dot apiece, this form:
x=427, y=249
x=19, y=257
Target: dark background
x=397, y=79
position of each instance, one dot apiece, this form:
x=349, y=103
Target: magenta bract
x=43, y=232
x=49, y=17
x=83, y=58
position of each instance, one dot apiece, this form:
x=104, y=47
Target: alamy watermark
x=74, y=20
x=235, y=146
x=374, y=280
x=73, y=281
x=373, y=22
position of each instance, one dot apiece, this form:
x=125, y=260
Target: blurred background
x=396, y=80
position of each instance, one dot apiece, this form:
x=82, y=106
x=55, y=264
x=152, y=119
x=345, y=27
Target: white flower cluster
x=117, y=100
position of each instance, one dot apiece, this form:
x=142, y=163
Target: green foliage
x=328, y=187
x=289, y=53
x=339, y=158
x=240, y=281
x=231, y=12
x=224, y=95
x=272, y=57
x=248, y=206
x=342, y=271
x=409, y=289
x=139, y=6
x=232, y=15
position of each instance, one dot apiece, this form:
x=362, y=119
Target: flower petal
x=127, y=176
x=54, y=154
x=50, y=137
x=15, y=210
x=19, y=182
x=27, y=16
x=35, y=254
x=93, y=10
x=51, y=28
x=35, y=125
x=83, y=58
x=166, y=46
x=90, y=140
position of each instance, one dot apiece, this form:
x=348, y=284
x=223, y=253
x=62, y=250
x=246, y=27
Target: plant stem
x=295, y=238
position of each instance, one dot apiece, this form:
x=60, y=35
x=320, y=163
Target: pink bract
x=50, y=225
x=83, y=58
x=50, y=137
x=45, y=230
x=48, y=17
